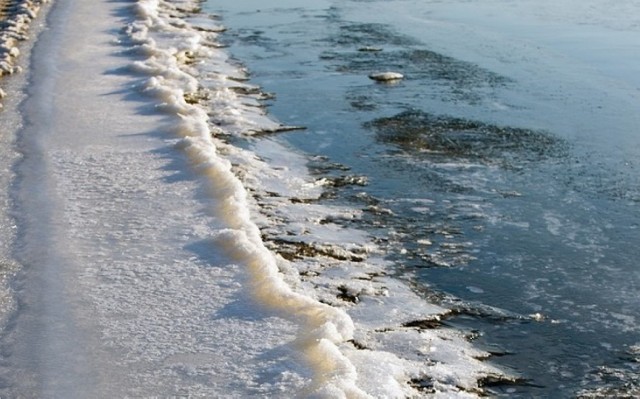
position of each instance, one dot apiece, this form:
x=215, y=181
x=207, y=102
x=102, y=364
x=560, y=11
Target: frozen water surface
x=511, y=147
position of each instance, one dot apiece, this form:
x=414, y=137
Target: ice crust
x=363, y=346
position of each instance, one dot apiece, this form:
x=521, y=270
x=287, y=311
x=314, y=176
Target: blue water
x=508, y=158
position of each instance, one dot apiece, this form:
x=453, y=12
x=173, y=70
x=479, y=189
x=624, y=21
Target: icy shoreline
x=318, y=258
x=17, y=18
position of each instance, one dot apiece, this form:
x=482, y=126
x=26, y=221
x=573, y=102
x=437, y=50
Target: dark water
x=504, y=186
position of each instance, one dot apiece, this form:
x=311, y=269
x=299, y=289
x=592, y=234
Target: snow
x=123, y=290
x=386, y=76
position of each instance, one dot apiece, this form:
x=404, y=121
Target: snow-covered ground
x=122, y=291
x=139, y=268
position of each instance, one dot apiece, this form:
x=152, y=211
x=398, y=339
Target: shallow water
x=500, y=176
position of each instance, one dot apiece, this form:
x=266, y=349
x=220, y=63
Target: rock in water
x=369, y=49
x=386, y=76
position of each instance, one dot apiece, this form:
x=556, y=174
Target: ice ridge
x=164, y=41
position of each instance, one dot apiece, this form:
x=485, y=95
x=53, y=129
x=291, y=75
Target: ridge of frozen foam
x=14, y=26
x=323, y=327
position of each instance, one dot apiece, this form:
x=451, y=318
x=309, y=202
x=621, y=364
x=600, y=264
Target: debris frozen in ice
x=386, y=76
